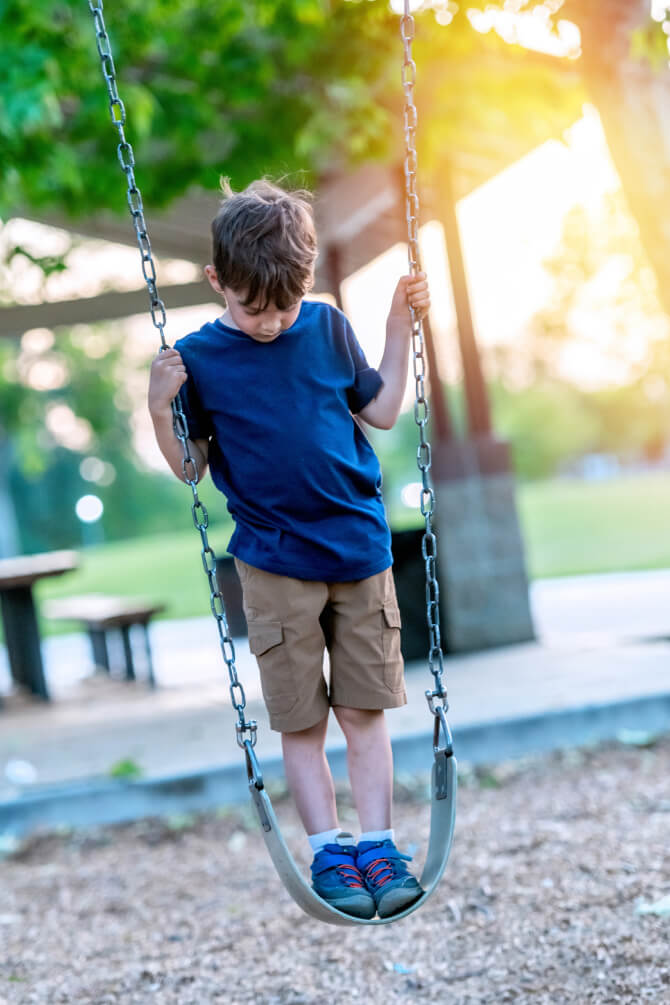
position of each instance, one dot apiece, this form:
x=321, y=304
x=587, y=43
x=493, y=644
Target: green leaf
x=126, y=768
x=180, y=821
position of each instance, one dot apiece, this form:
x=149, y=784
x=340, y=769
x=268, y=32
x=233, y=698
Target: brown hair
x=264, y=243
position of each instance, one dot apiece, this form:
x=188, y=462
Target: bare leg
x=370, y=764
x=309, y=778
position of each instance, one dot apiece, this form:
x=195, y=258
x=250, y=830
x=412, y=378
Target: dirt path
x=552, y=858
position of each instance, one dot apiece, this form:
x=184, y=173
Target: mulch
x=555, y=862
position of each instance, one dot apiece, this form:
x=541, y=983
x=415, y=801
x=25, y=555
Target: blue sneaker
x=337, y=880
x=387, y=877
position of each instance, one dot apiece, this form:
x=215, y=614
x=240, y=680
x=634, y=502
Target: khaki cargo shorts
x=291, y=624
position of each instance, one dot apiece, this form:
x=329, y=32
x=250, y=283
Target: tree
x=306, y=85
x=625, y=73
x=64, y=401
x=625, y=69
x=66, y=431
x=248, y=89
x=244, y=88
x=604, y=293
x=605, y=302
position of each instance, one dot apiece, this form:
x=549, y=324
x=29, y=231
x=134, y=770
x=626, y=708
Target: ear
x=210, y=272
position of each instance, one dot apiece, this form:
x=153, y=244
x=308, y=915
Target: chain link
x=245, y=729
x=421, y=409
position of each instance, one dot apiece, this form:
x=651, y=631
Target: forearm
x=383, y=411
x=171, y=447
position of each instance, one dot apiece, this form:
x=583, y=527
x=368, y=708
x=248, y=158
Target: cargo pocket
x=266, y=640
x=393, y=663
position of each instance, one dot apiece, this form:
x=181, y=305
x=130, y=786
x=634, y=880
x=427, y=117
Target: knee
x=313, y=735
x=355, y=721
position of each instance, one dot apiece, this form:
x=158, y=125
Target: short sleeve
x=367, y=381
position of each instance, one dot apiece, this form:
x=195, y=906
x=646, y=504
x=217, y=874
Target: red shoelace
x=350, y=875
x=379, y=871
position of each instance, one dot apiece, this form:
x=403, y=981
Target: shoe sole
x=396, y=900
x=359, y=908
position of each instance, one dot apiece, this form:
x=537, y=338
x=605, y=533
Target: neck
x=228, y=321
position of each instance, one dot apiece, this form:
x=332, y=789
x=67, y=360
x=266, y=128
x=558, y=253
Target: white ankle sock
x=377, y=835
x=319, y=841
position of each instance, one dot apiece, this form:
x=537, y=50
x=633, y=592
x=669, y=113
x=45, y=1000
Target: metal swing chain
x=246, y=730
x=421, y=409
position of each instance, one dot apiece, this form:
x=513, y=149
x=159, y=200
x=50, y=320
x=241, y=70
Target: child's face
x=262, y=325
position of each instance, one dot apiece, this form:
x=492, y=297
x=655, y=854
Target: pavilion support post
x=476, y=396
x=484, y=595
x=333, y=270
x=441, y=425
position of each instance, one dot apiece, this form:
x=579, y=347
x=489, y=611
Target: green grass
x=162, y=567
x=573, y=527
x=569, y=527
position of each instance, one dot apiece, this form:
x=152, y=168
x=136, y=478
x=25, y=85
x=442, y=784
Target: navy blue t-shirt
x=302, y=481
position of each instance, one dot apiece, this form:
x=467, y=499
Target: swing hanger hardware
x=441, y=696
x=441, y=727
x=242, y=728
x=254, y=773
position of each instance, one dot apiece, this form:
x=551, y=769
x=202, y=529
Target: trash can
x=410, y=583
x=231, y=592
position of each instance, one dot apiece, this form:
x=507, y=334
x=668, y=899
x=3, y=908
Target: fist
x=411, y=291
x=167, y=375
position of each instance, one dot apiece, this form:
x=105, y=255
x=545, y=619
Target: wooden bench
x=100, y=614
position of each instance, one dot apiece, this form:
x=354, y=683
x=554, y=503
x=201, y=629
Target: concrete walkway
x=604, y=644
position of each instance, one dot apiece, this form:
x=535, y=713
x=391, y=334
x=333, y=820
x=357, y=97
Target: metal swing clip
x=249, y=727
x=256, y=785
x=440, y=695
x=254, y=773
x=441, y=751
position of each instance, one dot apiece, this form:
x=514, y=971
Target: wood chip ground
x=553, y=861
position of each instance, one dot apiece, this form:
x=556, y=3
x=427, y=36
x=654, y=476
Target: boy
x=272, y=392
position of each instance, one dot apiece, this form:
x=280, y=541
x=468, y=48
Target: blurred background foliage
x=297, y=87
x=246, y=89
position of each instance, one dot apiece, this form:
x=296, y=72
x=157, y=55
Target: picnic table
x=19, y=616
x=102, y=614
